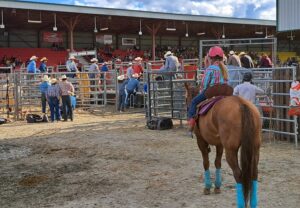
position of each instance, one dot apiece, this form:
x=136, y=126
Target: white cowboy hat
x=53, y=81
x=138, y=59
x=94, y=60
x=33, y=58
x=169, y=53
x=64, y=77
x=242, y=53
x=130, y=63
x=121, y=77
x=72, y=57
x=45, y=78
x=231, y=52
x=135, y=75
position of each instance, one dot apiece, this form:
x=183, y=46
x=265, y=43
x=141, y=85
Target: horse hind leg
x=204, y=148
x=218, y=176
x=232, y=160
x=253, y=194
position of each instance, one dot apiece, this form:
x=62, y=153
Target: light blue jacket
x=31, y=68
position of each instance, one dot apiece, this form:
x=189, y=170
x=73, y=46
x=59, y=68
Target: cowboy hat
x=45, y=78
x=242, y=53
x=64, y=77
x=94, y=60
x=138, y=59
x=121, y=77
x=72, y=57
x=53, y=81
x=33, y=58
x=44, y=59
x=135, y=75
x=130, y=63
x=169, y=53
x=231, y=52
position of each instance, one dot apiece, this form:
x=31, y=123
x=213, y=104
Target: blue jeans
x=193, y=106
x=67, y=107
x=121, y=105
x=54, y=108
x=44, y=102
x=127, y=96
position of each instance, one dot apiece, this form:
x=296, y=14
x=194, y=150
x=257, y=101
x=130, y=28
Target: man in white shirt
x=247, y=90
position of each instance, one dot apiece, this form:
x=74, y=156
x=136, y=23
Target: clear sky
x=254, y=9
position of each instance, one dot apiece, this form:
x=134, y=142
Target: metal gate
x=166, y=98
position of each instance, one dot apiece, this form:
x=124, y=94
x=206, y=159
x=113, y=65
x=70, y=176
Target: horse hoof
x=206, y=191
x=217, y=190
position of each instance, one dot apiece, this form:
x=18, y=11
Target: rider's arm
x=206, y=79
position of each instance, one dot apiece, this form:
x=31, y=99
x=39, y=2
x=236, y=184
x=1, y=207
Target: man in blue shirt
x=43, y=66
x=43, y=89
x=131, y=87
x=31, y=68
x=122, y=95
x=171, y=64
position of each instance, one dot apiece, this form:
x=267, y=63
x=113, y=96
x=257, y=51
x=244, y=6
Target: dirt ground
x=114, y=161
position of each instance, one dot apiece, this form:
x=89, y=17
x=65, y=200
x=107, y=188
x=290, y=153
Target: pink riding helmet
x=216, y=51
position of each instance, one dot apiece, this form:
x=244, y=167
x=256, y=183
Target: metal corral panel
x=288, y=15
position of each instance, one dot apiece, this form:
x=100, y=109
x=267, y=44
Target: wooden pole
x=153, y=31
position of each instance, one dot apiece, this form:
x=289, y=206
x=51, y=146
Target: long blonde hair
x=222, y=66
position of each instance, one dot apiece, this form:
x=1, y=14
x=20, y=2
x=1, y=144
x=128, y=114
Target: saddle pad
x=207, y=105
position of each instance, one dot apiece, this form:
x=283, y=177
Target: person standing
x=71, y=66
x=67, y=90
x=265, y=61
x=43, y=89
x=129, y=71
x=233, y=59
x=246, y=60
x=94, y=73
x=31, y=67
x=53, y=95
x=43, y=66
x=247, y=90
x=122, y=95
x=137, y=66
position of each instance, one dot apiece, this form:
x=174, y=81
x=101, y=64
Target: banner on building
x=52, y=37
x=129, y=41
x=104, y=39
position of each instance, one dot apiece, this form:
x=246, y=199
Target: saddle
x=213, y=95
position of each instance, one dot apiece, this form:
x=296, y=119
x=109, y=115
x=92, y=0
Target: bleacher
x=120, y=54
x=54, y=57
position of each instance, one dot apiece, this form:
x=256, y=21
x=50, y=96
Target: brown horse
x=232, y=123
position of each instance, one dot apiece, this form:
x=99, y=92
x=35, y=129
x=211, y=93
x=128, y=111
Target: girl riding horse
x=215, y=74
x=232, y=123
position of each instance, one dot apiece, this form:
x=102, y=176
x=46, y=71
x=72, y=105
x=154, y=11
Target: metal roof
x=129, y=13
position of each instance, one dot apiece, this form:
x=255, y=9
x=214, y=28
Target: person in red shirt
x=137, y=66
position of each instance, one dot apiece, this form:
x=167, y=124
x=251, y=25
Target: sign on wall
x=53, y=37
x=104, y=39
x=129, y=41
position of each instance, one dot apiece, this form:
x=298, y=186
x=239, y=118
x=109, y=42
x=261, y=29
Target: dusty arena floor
x=114, y=161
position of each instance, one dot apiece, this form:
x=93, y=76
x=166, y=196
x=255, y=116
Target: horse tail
x=248, y=150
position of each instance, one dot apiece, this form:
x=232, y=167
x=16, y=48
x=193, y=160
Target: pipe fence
x=166, y=98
